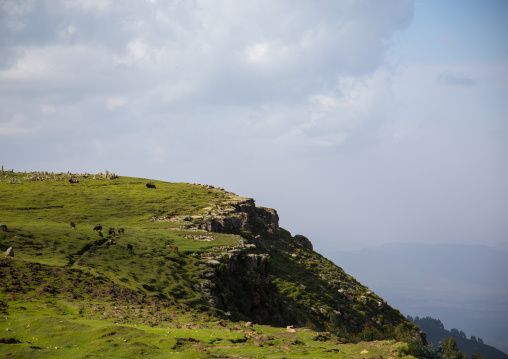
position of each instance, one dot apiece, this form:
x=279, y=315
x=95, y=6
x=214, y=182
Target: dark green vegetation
x=193, y=264
x=442, y=338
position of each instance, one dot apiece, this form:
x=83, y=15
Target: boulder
x=304, y=241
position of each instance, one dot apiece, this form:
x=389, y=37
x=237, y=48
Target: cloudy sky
x=362, y=122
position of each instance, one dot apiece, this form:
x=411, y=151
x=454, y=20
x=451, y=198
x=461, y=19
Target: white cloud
x=351, y=110
x=18, y=126
x=88, y=5
x=115, y=102
x=257, y=53
x=33, y=64
x=48, y=109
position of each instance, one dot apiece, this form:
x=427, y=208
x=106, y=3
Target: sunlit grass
x=66, y=293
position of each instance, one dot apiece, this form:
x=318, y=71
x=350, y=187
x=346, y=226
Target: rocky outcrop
x=304, y=241
x=239, y=215
x=244, y=216
x=238, y=281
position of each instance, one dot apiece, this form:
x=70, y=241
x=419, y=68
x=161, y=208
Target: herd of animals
x=111, y=232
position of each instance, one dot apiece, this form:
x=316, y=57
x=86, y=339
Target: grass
x=66, y=293
x=42, y=331
x=38, y=214
x=114, y=202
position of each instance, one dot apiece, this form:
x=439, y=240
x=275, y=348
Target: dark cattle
x=129, y=248
x=73, y=180
x=100, y=234
x=120, y=231
x=149, y=185
x=97, y=228
x=173, y=248
x=111, y=232
x=111, y=242
x=73, y=225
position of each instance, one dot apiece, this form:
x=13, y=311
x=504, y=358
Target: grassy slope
x=46, y=332
x=99, y=290
x=38, y=214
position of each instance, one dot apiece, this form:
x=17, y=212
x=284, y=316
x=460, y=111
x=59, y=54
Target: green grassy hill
x=176, y=268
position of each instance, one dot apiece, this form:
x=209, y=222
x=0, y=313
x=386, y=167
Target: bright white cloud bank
x=291, y=102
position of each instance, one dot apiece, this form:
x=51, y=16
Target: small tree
x=449, y=350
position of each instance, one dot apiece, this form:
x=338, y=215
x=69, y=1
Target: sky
x=361, y=122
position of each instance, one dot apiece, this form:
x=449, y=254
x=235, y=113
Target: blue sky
x=361, y=122
x=457, y=31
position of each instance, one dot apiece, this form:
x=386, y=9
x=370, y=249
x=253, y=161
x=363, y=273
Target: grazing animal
x=173, y=248
x=73, y=225
x=149, y=185
x=9, y=252
x=97, y=228
x=73, y=180
x=111, y=242
x=100, y=234
x=129, y=248
x=120, y=231
x=111, y=232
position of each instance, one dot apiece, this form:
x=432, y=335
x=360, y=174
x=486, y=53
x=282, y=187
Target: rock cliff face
x=239, y=215
x=274, y=278
x=238, y=282
x=244, y=216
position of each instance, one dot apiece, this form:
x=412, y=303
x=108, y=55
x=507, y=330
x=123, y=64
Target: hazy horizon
x=462, y=285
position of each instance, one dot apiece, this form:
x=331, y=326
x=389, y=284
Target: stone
x=248, y=325
x=252, y=260
x=258, y=242
x=304, y=241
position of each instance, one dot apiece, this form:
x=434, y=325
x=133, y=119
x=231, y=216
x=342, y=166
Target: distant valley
x=464, y=286
x=436, y=334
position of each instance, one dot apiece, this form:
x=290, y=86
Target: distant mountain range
x=465, y=286
x=436, y=333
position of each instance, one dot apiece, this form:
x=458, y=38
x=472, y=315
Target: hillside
x=185, y=260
